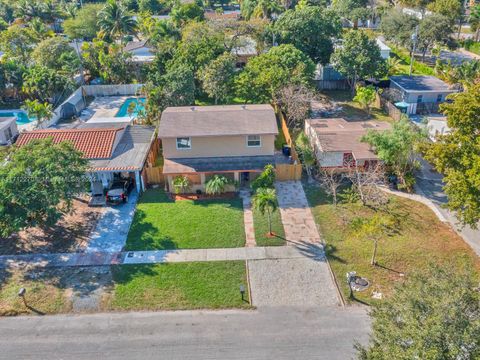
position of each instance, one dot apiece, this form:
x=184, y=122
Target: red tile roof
x=93, y=143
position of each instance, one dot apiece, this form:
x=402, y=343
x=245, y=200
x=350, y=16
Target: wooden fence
x=287, y=172
x=154, y=175
x=387, y=106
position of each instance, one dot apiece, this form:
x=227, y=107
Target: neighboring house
x=113, y=151
x=420, y=94
x=236, y=141
x=8, y=130
x=384, y=49
x=336, y=142
x=245, y=49
x=141, y=51
x=436, y=124
x=224, y=15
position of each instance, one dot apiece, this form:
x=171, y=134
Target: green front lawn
x=176, y=286
x=420, y=239
x=260, y=223
x=161, y=223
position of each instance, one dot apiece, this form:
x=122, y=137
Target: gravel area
x=291, y=282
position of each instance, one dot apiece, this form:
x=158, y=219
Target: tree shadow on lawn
x=123, y=274
x=235, y=203
x=317, y=252
x=144, y=235
x=5, y=275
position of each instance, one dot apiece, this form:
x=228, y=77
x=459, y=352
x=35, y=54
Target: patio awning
x=216, y=164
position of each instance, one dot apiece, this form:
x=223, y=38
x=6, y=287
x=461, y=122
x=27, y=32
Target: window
x=419, y=98
x=439, y=98
x=254, y=141
x=184, y=143
x=348, y=160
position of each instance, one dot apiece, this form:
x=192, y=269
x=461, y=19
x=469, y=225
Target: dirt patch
x=70, y=234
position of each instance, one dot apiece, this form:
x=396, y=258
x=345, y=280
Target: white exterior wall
x=330, y=159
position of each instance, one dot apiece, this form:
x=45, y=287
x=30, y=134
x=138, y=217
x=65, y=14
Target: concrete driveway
x=112, y=229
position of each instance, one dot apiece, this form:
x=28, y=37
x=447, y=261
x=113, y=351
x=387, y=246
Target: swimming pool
x=22, y=117
x=136, y=106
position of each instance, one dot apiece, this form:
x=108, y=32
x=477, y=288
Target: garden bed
x=226, y=195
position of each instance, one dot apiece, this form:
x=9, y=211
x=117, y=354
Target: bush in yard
x=216, y=185
x=180, y=184
x=38, y=183
x=365, y=96
x=266, y=178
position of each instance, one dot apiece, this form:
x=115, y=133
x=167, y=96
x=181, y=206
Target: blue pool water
x=22, y=117
x=138, y=107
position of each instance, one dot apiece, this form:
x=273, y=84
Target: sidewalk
x=300, y=250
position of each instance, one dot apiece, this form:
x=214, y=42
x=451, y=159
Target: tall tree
x=474, y=20
x=116, y=21
x=17, y=43
x=398, y=148
x=183, y=13
x=57, y=54
x=45, y=84
x=434, y=314
x=457, y=156
x=51, y=174
x=217, y=77
x=433, y=29
x=265, y=74
x=85, y=24
x=398, y=27
x=359, y=58
x=310, y=29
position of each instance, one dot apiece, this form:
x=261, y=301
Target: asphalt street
x=266, y=333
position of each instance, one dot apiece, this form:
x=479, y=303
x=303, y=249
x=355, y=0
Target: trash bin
x=286, y=150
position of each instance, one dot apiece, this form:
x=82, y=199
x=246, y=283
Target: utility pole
x=414, y=47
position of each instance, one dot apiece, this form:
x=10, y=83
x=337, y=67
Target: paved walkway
x=163, y=256
x=297, y=217
x=430, y=185
x=111, y=231
x=248, y=218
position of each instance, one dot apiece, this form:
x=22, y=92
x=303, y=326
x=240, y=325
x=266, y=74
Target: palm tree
x=216, y=185
x=306, y=153
x=115, y=21
x=40, y=111
x=265, y=201
x=265, y=8
x=393, y=65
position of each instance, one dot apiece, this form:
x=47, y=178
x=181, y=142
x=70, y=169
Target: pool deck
x=106, y=106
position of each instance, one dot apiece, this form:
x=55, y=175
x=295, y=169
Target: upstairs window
x=254, y=141
x=419, y=99
x=184, y=143
x=439, y=98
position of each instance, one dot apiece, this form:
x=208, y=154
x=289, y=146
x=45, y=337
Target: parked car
x=119, y=191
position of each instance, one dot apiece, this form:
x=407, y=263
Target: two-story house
x=236, y=141
x=420, y=94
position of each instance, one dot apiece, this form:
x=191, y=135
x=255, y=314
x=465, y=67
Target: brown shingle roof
x=219, y=120
x=337, y=135
x=93, y=143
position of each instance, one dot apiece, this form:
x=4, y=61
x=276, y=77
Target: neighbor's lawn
x=419, y=68
x=161, y=223
x=44, y=296
x=175, y=286
x=260, y=223
x=421, y=239
x=352, y=110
